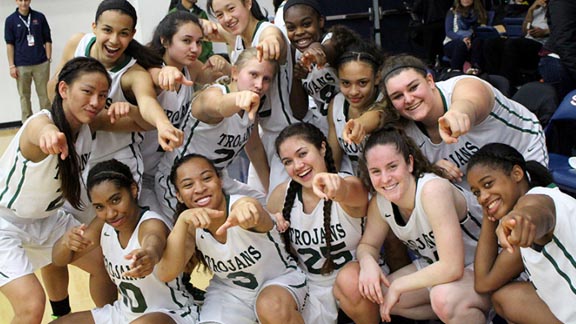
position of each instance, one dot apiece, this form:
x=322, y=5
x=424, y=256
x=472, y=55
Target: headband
x=121, y=5
x=400, y=67
x=311, y=3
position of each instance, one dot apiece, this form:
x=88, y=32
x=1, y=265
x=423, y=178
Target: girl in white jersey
x=533, y=218
x=254, y=279
x=219, y=125
x=132, y=241
x=436, y=220
x=40, y=170
x=242, y=25
x=178, y=40
x=356, y=110
x=112, y=43
x=452, y=119
x=315, y=56
x=321, y=214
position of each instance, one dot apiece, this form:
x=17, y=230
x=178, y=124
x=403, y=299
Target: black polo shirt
x=16, y=32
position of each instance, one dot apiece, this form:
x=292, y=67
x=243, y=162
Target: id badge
x=30, y=38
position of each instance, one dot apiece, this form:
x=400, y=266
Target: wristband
x=12, y=66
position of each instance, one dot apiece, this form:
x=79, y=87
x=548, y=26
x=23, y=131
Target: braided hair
x=70, y=168
x=314, y=136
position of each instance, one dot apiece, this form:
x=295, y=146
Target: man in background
x=29, y=52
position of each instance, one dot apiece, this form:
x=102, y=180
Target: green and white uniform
x=417, y=233
x=124, y=147
x=321, y=85
x=509, y=122
x=308, y=240
x=176, y=105
x=553, y=269
x=242, y=266
x=30, y=199
x=140, y=295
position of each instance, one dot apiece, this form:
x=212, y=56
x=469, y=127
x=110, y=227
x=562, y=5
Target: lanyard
x=27, y=24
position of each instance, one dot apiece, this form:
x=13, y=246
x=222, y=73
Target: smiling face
x=185, y=45
x=198, y=185
x=412, y=94
x=84, y=98
x=390, y=173
x=115, y=205
x=358, y=83
x=302, y=160
x=254, y=76
x=496, y=191
x=233, y=15
x=114, y=30
x=304, y=26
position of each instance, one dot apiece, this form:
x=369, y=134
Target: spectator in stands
x=558, y=63
x=517, y=58
x=459, y=44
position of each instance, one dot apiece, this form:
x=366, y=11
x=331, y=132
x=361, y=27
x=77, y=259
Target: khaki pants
x=40, y=73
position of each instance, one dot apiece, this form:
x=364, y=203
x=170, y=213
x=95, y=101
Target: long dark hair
x=168, y=27
x=145, y=56
x=255, y=10
x=314, y=136
x=395, y=135
x=70, y=168
x=110, y=170
x=504, y=157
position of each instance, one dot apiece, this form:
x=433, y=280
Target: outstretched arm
x=77, y=242
x=472, y=102
x=211, y=106
x=181, y=243
x=532, y=220
x=348, y=191
x=249, y=214
x=140, y=85
x=152, y=236
x=493, y=270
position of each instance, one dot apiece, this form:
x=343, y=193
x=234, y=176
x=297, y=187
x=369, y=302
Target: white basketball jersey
x=124, y=146
x=321, y=84
x=553, y=269
x=417, y=233
x=509, y=123
x=247, y=259
x=33, y=189
x=221, y=143
x=307, y=237
x=351, y=152
x=141, y=295
x=176, y=105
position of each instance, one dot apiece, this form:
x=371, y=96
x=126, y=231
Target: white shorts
x=148, y=196
x=226, y=305
x=26, y=244
x=321, y=307
x=113, y=314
